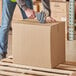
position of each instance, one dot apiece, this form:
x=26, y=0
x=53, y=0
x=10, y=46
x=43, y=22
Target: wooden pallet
x=8, y=68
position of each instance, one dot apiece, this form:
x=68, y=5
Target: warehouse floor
x=70, y=49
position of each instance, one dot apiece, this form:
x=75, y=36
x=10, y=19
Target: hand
x=30, y=13
x=50, y=19
x=34, y=1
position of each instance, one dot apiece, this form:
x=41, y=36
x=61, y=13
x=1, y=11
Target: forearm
x=22, y=4
x=46, y=5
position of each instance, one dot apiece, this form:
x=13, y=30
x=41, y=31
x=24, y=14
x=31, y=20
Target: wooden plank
x=70, y=63
x=33, y=70
x=5, y=73
x=66, y=67
x=61, y=70
x=22, y=71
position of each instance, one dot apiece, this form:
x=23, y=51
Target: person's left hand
x=34, y=1
x=50, y=19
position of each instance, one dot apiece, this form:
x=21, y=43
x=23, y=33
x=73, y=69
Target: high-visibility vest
x=13, y=0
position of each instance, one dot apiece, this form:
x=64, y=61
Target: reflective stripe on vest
x=13, y=0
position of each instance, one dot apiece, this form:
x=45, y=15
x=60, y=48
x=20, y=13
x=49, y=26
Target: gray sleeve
x=22, y=4
x=46, y=6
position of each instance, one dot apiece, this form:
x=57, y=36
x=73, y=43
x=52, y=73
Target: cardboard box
x=71, y=51
x=9, y=49
x=38, y=45
x=59, y=10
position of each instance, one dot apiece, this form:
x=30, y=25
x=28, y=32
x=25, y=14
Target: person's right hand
x=30, y=13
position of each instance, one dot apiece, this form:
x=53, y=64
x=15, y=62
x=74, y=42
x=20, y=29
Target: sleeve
x=46, y=6
x=22, y=4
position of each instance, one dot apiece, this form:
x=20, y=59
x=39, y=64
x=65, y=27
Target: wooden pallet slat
x=11, y=69
x=21, y=69
x=67, y=67
x=24, y=71
x=35, y=68
x=5, y=73
x=70, y=63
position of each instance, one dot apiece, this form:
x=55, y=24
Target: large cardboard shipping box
x=38, y=45
x=9, y=49
x=71, y=51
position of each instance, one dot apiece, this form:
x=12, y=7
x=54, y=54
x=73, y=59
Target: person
x=7, y=13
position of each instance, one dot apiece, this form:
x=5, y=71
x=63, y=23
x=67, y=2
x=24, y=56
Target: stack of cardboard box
x=59, y=11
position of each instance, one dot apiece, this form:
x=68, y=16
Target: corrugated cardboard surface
x=59, y=10
x=71, y=51
x=40, y=45
x=9, y=52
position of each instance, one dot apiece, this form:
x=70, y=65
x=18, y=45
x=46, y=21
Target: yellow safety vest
x=13, y=0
